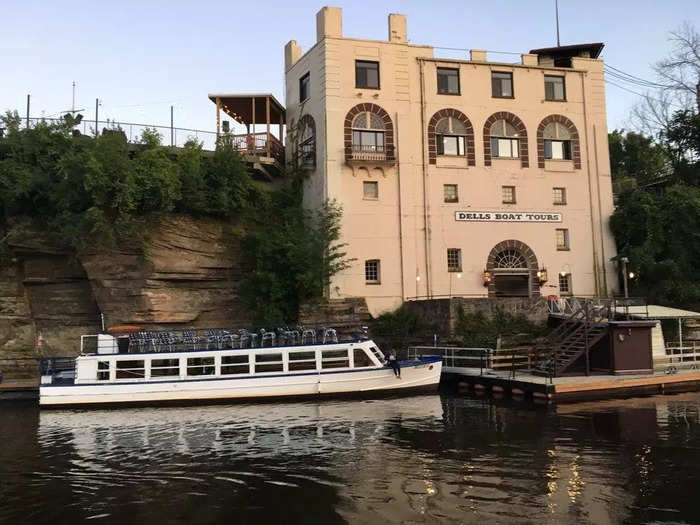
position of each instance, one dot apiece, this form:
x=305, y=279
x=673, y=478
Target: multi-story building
x=456, y=177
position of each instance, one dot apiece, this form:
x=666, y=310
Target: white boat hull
x=414, y=375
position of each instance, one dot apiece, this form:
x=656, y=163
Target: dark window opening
x=501, y=85
x=448, y=81
x=304, y=87
x=366, y=74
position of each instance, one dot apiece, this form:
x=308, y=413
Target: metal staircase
x=584, y=323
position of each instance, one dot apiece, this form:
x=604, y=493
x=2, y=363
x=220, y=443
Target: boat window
x=335, y=359
x=302, y=361
x=361, y=358
x=165, y=367
x=132, y=369
x=235, y=364
x=268, y=363
x=377, y=353
x=200, y=366
x=103, y=370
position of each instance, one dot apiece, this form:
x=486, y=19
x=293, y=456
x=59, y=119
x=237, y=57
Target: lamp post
x=624, y=261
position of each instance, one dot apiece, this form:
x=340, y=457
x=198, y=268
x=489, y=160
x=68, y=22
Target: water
x=423, y=459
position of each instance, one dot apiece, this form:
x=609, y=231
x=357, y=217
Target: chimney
x=477, y=55
x=397, y=28
x=292, y=53
x=329, y=23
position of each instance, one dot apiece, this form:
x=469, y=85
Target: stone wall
x=443, y=312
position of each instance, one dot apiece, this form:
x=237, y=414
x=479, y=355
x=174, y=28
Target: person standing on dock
x=394, y=364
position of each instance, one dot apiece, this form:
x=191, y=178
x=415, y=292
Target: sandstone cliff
x=185, y=275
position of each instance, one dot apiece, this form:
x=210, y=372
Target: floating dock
x=19, y=389
x=574, y=387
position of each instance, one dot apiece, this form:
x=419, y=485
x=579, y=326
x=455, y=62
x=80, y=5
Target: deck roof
x=240, y=107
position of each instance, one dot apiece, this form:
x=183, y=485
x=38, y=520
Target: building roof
x=593, y=49
x=240, y=107
x=654, y=311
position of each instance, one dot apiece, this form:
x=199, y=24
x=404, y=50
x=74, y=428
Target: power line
x=633, y=77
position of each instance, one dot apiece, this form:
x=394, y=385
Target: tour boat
x=211, y=365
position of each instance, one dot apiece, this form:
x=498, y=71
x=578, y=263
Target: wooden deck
x=574, y=388
x=19, y=389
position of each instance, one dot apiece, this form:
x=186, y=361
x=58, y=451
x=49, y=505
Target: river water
x=441, y=458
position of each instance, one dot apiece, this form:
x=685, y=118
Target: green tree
x=636, y=157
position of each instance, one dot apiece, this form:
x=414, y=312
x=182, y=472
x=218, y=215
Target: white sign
x=507, y=216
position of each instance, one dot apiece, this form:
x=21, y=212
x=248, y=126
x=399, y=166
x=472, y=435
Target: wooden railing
x=257, y=144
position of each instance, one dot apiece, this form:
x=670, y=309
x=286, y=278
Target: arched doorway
x=513, y=267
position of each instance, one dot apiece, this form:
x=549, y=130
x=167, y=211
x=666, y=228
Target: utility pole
x=172, y=131
x=624, y=261
x=28, y=97
x=556, y=10
x=97, y=106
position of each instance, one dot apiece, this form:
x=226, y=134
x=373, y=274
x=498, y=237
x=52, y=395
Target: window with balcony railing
x=368, y=136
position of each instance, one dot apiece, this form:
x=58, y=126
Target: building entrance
x=513, y=269
x=512, y=285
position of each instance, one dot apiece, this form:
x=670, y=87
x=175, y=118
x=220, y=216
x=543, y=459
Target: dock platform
x=574, y=387
x=17, y=389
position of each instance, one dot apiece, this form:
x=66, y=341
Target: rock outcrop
x=186, y=274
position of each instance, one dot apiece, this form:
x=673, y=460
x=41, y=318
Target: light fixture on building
x=542, y=275
x=488, y=277
x=417, y=277
x=631, y=275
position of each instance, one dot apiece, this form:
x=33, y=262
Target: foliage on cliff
x=291, y=254
x=99, y=190
x=657, y=219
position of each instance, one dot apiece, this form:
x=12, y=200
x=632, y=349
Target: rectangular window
x=370, y=190
x=335, y=359
x=372, y=271
x=451, y=193
x=377, y=353
x=165, y=367
x=454, y=260
x=554, y=88
x=302, y=361
x=565, y=283
x=235, y=364
x=103, y=370
x=304, y=87
x=562, y=239
x=361, y=358
x=130, y=369
x=501, y=84
x=559, y=195
x=268, y=363
x=557, y=149
x=505, y=148
x=366, y=74
x=451, y=145
x=367, y=140
x=200, y=366
x=448, y=81
x=508, y=194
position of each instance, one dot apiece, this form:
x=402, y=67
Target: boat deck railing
x=148, y=341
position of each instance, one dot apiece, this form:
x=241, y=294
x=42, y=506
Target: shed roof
x=655, y=311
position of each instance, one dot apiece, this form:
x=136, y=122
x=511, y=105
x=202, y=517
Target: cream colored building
x=456, y=177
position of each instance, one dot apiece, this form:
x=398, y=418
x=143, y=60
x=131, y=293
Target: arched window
x=451, y=137
x=505, y=136
x=511, y=259
x=369, y=135
x=505, y=141
x=557, y=141
x=307, y=142
x=367, y=132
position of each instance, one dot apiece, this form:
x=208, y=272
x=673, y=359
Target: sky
x=140, y=57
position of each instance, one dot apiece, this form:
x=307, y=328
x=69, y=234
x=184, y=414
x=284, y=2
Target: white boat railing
x=456, y=357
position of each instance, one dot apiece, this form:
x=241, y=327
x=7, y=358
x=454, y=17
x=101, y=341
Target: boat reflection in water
x=299, y=427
